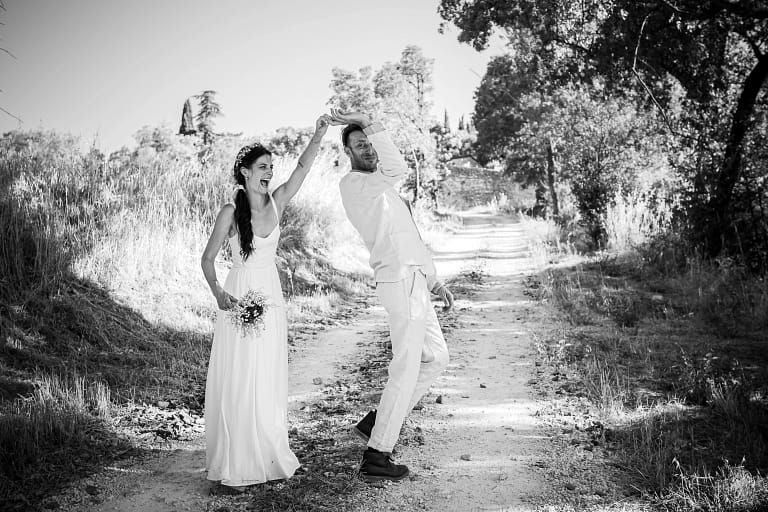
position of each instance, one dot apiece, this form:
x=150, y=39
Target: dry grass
x=730, y=489
x=53, y=436
x=632, y=221
x=101, y=277
x=516, y=199
x=670, y=350
x=680, y=395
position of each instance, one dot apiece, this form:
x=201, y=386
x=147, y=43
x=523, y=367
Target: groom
x=405, y=275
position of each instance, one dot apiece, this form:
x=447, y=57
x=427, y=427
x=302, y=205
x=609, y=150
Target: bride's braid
x=245, y=158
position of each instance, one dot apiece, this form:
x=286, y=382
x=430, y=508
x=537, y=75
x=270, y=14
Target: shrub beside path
x=474, y=444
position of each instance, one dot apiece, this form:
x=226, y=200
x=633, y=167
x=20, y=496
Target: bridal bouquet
x=248, y=314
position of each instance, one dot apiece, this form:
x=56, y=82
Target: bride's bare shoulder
x=227, y=215
x=227, y=212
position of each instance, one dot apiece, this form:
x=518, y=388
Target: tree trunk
x=418, y=178
x=540, y=206
x=551, y=178
x=720, y=203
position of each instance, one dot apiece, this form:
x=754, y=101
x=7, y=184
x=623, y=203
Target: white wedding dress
x=246, y=392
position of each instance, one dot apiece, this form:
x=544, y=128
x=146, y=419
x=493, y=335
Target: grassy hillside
x=658, y=360
x=102, y=300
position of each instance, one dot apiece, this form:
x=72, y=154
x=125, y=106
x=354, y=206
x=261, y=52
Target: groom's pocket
x=394, y=297
x=418, y=298
x=404, y=298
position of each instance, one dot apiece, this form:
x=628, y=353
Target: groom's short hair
x=347, y=130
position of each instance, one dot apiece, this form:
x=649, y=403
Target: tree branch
x=8, y=52
x=639, y=39
x=571, y=45
x=752, y=43
x=714, y=7
x=661, y=110
x=675, y=8
x=2, y=8
x=648, y=65
x=13, y=116
x=747, y=11
x=639, y=78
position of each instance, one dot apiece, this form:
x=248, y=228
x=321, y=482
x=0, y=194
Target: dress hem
x=242, y=483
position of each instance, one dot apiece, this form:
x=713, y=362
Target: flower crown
x=244, y=152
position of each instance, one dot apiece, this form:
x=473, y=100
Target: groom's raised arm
x=391, y=162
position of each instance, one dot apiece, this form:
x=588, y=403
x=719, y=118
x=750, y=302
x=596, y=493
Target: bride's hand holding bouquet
x=248, y=312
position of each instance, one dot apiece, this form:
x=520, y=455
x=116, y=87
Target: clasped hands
x=338, y=117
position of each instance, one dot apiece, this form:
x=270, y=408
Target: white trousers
x=419, y=355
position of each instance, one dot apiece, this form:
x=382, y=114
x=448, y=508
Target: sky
x=102, y=69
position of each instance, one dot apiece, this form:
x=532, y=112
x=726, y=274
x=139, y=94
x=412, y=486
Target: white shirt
x=382, y=217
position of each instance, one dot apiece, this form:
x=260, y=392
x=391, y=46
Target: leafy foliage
x=701, y=65
x=289, y=141
x=398, y=94
x=206, y=116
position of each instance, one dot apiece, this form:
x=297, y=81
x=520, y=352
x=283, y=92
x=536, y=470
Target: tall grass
x=100, y=276
x=679, y=382
x=670, y=350
x=142, y=224
x=548, y=241
x=636, y=218
x=136, y=227
x=61, y=423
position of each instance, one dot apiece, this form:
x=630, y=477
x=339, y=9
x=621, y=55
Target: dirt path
x=487, y=412
x=477, y=445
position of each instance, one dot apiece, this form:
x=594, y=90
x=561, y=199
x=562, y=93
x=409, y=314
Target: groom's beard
x=362, y=164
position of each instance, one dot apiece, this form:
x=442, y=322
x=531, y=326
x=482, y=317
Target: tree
x=446, y=122
x=471, y=126
x=160, y=139
x=691, y=41
x=403, y=92
x=496, y=113
x=187, y=126
x=398, y=93
x=604, y=146
x=548, y=132
x=514, y=95
x=290, y=141
x=206, y=116
x=417, y=71
x=353, y=91
x=451, y=145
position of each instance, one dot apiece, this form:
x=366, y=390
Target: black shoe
x=365, y=427
x=377, y=466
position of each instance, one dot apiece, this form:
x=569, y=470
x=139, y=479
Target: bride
x=246, y=393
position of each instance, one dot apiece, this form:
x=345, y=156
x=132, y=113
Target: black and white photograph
x=416, y=255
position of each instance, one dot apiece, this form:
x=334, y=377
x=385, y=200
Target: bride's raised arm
x=285, y=192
